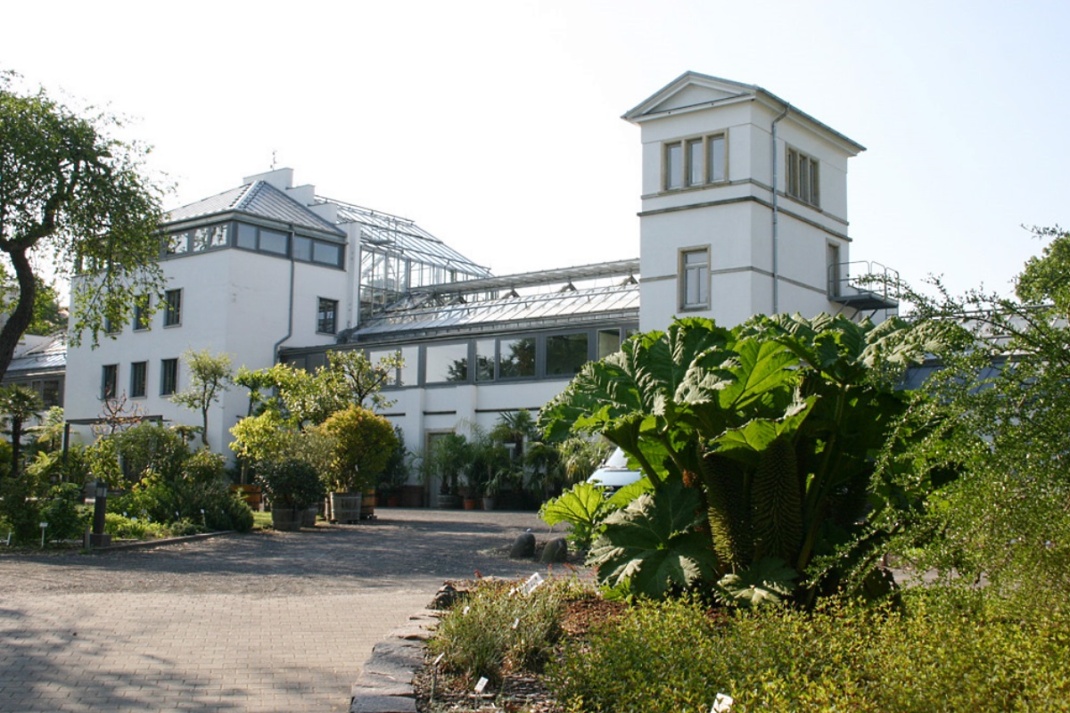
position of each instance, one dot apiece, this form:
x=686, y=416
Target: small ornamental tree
x=363, y=443
x=210, y=376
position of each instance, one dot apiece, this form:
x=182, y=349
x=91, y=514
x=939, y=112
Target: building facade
x=744, y=212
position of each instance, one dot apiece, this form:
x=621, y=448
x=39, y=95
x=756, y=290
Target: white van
x=614, y=473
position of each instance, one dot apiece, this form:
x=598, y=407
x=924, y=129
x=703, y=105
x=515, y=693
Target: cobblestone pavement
x=259, y=622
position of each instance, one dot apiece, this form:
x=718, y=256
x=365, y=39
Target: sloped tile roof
x=260, y=199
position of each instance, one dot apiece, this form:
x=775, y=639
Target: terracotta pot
x=471, y=504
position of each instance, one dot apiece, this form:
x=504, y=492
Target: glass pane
x=608, y=342
x=485, y=360
x=200, y=239
x=694, y=162
x=566, y=354
x=716, y=158
x=246, y=236
x=178, y=244
x=410, y=366
x=517, y=358
x=272, y=242
x=302, y=248
x=220, y=235
x=448, y=362
x=673, y=165
x=326, y=253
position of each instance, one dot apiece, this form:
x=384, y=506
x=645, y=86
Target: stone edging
x=140, y=544
x=385, y=684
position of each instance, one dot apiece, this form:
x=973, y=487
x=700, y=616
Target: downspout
x=776, y=215
x=290, y=319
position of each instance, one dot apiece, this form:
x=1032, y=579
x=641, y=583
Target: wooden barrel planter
x=367, y=505
x=308, y=516
x=347, y=507
x=285, y=518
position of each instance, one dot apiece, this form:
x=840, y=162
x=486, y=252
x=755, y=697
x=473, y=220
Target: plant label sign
x=531, y=584
x=722, y=703
x=482, y=684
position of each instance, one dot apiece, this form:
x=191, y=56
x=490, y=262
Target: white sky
x=495, y=125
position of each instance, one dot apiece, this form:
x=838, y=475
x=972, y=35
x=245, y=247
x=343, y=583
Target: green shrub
x=949, y=651
x=20, y=508
x=133, y=528
x=65, y=512
x=494, y=631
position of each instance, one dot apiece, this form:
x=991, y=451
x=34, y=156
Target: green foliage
x=290, y=483
x=958, y=652
x=20, y=507
x=76, y=193
x=767, y=581
x=999, y=423
x=777, y=422
x=18, y=405
x=447, y=457
x=362, y=444
x=585, y=508
x=264, y=437
x=210, y=376
x=65, y=512
x=494, y=632
x=655, y=546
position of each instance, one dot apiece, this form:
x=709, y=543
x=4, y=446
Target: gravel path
x=259, y=622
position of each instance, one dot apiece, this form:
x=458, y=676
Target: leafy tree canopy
x=75, y=194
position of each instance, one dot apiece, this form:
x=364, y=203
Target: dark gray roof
x=259, y=199
x=50, y=357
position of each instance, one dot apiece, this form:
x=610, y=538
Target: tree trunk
x=22, y=315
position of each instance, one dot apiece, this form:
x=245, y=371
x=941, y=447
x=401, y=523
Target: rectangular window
x=109, y=381
x=803, y=177
x=695, y=162
x=177, y=243
x=608, y=342
x=410, y=366
x=272, y=241
x=172, y=315
x=327, y=253
x=715, y=158
x=516, y=358
x=138, y=378
x=485, y=359
x=327, y=316
x=246, y=236
x=446, y=362
x=566, y=354
x=674, y=166
x=168, y=376
x=141, y=313
x=302, y=248
x=695, y=279
x=696, y=174
x=51, y=393
x=832, y=265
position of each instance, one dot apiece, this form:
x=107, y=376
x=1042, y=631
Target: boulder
x=523, y=547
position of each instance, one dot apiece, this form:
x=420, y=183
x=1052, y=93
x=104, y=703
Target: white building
x=716, y=239
x=269, y=271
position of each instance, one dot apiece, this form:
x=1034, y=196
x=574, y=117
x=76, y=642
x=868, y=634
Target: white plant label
x=531, y=584
x=722, y=703
x=481, y=684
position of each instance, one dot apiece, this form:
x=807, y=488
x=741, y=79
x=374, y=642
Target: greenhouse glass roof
x=392, y=234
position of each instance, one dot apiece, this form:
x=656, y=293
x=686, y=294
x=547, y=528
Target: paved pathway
x=258, y=622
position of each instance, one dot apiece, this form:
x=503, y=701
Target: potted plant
x=395, y=473
x=361, y=443
x=292, y=486
x=446, y=458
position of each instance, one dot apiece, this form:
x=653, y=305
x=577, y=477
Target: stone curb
x=141, y=544
x=386, y=683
